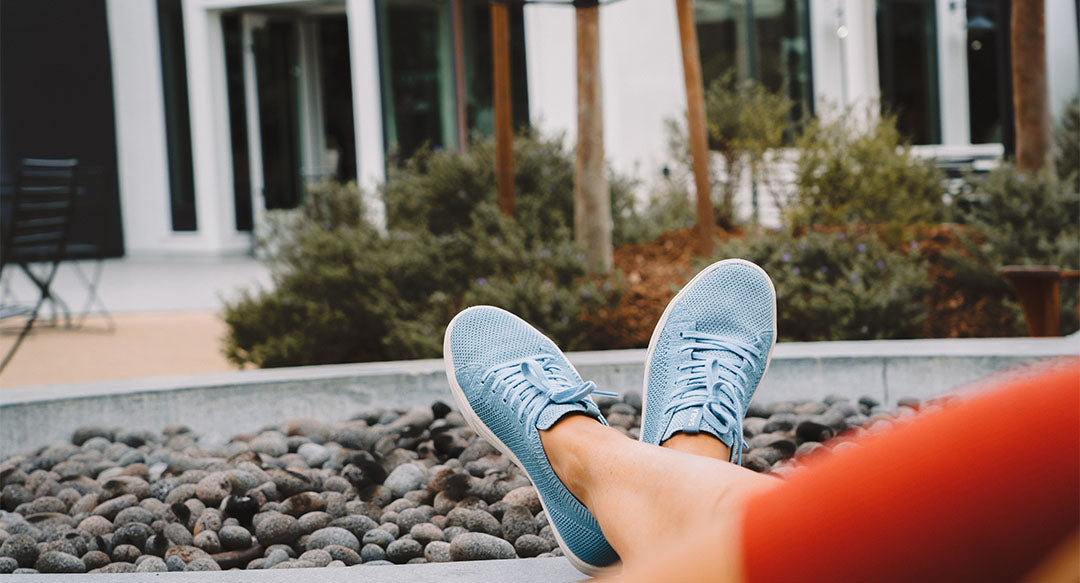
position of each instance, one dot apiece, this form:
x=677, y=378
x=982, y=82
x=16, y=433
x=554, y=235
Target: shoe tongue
x=690, y=418
x=556, y=411
x=682, y=420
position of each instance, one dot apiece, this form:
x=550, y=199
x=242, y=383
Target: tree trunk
x=1030, y=102
x=504, y=131
x=695, y=115
x=592, y=199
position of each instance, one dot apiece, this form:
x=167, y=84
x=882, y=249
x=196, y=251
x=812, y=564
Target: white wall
x=641, y=72
x=1062, y=58
x=643, y=84
x=551, y=68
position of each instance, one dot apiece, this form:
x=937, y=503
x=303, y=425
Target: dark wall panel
x=56, y=99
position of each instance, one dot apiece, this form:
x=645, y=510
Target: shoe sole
x=481, y=428
x=667, y=312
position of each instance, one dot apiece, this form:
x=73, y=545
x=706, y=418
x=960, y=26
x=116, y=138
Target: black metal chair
x=85, y=250
x=37, y=232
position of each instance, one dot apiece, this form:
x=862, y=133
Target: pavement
x=163, y=319
x=553, y=570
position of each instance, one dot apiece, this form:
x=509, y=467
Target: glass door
x=908, y=65
x=290, y=107
x=277, y=67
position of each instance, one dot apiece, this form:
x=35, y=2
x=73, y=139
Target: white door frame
x=248, y=24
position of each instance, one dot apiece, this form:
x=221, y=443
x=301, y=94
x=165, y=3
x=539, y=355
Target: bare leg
x=641, y=493
x=855, y=516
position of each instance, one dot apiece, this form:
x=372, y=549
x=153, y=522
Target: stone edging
x=235, y=402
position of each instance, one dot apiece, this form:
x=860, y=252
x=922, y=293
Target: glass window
x=336, y=76
x=276, y=69
x=177, y=117
x=908, y=67
x=417, y=66
x=765, y=40
x=989, y=98
x=479, y=90
x=234, y=79
x=417, y=74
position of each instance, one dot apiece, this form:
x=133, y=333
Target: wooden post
x=1031, y=105
x=459, y=76
x=592, y=199
x=504, y=130
x=1038, y=289
x=695, y=114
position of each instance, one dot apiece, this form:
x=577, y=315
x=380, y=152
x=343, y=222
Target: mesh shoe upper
x=514, y=380
x=709, y=354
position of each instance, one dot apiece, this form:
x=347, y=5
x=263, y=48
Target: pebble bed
x=387, y=487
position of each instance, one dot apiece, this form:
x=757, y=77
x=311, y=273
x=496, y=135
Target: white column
x=367, y=105
x=224, y=196
x=952, y=72
x=863, y=54
x=843, y=40
x=827, y=58
x=210, y=146
x=142, y=162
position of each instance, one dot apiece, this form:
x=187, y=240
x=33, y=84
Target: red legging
x=979, y=491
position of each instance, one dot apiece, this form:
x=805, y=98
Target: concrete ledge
x=248, y=400
x=556, y=570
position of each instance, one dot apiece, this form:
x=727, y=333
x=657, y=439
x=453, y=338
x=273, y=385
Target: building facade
x=194, y=117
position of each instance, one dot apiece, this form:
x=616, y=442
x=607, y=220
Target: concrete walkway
x=166, y=314
x=141, y=285
x=141, y=345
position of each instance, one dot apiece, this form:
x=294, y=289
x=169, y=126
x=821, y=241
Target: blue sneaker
x=708, y=354
x=510, y=381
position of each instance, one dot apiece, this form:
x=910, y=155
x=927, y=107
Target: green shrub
x=1067, y=138
x=1019, y=219
x=346, y=293
x=669, y=208
x=437, y=191
x=846, y=175
x=844, y=284
x=745, y=120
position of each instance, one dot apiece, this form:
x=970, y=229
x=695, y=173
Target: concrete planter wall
x=236, y=402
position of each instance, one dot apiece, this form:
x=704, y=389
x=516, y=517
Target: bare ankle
x=566, y=444
x=703, y=444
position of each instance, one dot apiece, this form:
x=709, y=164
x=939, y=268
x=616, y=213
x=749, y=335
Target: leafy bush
x=847, y=175
x=437, y=191
x=842, y=284
x=1019, y=220
x=745, y=120
x=1067, y=138
x=667, y=210
x=671, y=207
x=346, y=293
